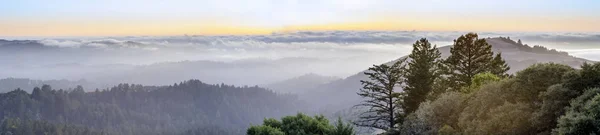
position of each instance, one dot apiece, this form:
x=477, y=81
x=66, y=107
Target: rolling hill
x=300, y=84
x=341, y=94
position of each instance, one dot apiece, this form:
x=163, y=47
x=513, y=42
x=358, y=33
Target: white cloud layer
x=377, y=45
x=335, y=53
x=337, y=37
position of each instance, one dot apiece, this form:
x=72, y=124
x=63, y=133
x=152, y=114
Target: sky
x=252, y=17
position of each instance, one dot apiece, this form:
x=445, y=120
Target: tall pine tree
x=498, y=66
x=421, y=73
x=383, y=104
x=470, y=56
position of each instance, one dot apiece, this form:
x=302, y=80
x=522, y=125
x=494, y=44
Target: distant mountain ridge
x=300, y=84
x=10, y=84
x=341, y=94
x=242, y=72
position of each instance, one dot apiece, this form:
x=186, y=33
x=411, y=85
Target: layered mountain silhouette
x=341, y=94
x=301, y=84
x=10, y=84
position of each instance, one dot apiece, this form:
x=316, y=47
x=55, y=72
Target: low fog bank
x=238, y=60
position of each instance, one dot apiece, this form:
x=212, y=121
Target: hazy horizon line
x=38, y=37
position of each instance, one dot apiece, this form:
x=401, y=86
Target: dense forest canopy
x=136, y=109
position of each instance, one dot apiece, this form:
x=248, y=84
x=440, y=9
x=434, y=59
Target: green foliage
x=272, y=123
x=264, y=130
x=572, y=90
x=554, y=102
x=523, y=104
x=441, y=85
x=478, y=106
x=341, y=128
x=498, y=66
x=432, y=115
x=446, y=109
x=384, y=105
x=484, y=78
x=305, y=125
x=508, y=106
x=578, y=104
x=301, y=124
x=587, y=77
x=509, y=118
x=535, y=79
x=487, y=111
x=470, y=56
x=421, y=73
x=479, y=80
x=582, y=117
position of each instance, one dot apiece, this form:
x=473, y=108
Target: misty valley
x=303, y=83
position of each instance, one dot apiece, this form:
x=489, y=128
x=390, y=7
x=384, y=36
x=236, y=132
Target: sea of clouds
x=325, y=44
x=332, y=53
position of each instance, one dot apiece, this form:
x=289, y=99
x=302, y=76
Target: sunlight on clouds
x=247, y=27
x=481, y=23
x=127, y=28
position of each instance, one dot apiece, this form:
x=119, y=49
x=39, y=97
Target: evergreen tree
x=442, y=83
x=498, y=66
x=470, y=56
x=421, y=73
x=383, y=104
x=341, y=128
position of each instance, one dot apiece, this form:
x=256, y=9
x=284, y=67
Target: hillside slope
x=137, y=109
x=341, y=94
x=300, y=84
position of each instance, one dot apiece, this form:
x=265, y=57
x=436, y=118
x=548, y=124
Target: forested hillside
x=471, y=92
x=187, y=107
x=517, y=55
